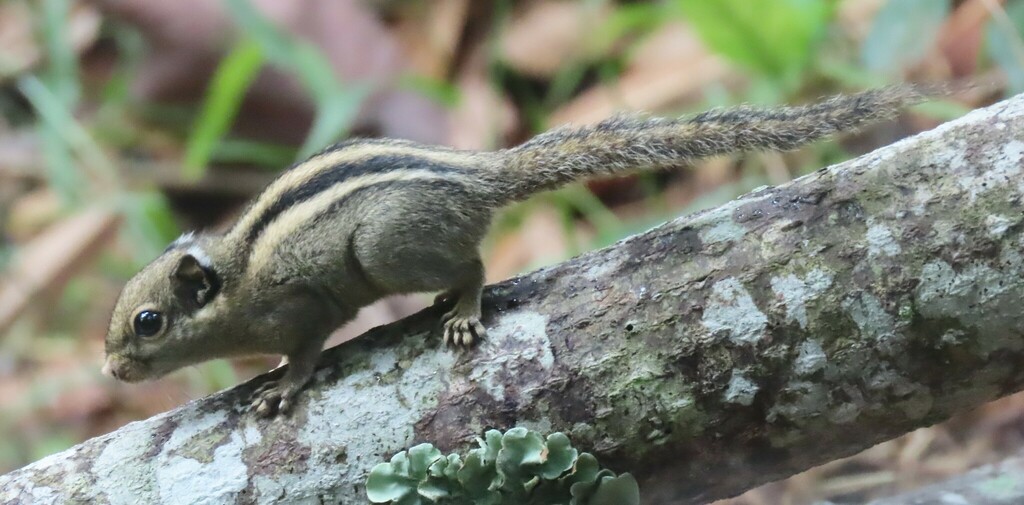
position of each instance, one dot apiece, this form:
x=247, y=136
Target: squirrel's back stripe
x=328, y=200
x=335, y=165
x=327, y=178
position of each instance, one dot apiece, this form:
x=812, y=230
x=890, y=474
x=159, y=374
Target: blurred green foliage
x=902, y=32
x=1004, y=45
x=61, y=77
x=223, y=100
x=774, y=38
x=337, y=102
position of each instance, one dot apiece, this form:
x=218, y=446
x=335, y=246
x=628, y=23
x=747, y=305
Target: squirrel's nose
x=109, y=370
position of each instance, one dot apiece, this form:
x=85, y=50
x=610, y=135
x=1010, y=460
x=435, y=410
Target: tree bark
x=790, y=327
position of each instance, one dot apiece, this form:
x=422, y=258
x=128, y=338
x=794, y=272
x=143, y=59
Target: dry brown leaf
x=20, y=157
x=32, y=212
x=19, y=45
x=550, y=35
x=856, y=16
x=188, y=37
x=20, y=50
x=431, y=37
x=540, y=239
x=384, y=311
x=483, y=118
x=855, y=483
x=705, y=177
x=670, y=66
x=50, y=259
x=961, y=38
x=78, y=403
x=917, y=444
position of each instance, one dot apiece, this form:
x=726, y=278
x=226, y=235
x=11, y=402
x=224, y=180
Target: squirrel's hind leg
x=461, y=325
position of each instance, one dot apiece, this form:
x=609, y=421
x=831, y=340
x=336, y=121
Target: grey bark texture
x=997, y=484
x=790, y=327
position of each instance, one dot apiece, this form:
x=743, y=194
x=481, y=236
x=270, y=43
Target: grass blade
x=223, y=99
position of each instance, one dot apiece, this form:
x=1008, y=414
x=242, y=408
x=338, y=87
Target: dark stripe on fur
x=341, y=173
x=455, y=188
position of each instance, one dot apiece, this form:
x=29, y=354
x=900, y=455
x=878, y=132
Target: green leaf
x=278, y=48
x=437, y=468
x=477, y=476
x=519, y=447
x=1004, y=44
x=223, y=99
x=454, y=463
x=491, y=445
x=64, y=136
x=621, y=490
x=386, y=483
x=334, y=116
x=410, y=499
x=62, y=61
x=314, y=69
x=901, y=33
x=337, y=105
x=772, y=37
x=420, y=459
x=560, y=456
x=585, y=469
x=583, y=490
x=438, y=90
x=433, y=490
x=149, y=223
x=400, y=462
x=252, y=152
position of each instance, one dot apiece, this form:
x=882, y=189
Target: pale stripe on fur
x=302, y=213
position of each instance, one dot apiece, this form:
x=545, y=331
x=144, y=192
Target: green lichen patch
x=517, y=467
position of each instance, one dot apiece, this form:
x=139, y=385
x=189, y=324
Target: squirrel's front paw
x=462, y=330
x=271, y=398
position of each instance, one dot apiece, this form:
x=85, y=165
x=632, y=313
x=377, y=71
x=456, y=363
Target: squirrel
x=368, y=218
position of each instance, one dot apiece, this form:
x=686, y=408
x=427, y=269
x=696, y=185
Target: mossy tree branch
x=790, y=327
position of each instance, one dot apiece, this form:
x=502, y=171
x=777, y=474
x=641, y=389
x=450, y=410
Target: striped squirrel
x=364, y=219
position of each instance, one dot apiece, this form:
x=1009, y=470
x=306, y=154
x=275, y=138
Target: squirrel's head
x=159, y=315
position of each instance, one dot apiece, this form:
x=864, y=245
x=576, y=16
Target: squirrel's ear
x=193, y=282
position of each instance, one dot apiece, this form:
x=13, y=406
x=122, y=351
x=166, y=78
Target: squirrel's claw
x=272, y=398
x=462, y=330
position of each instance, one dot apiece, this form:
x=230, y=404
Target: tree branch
x=790, y=327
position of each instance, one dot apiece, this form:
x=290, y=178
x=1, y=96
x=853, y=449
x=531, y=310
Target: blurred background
x=125, y=123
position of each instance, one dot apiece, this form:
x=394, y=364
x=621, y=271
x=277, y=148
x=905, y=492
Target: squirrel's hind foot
x=462, y=330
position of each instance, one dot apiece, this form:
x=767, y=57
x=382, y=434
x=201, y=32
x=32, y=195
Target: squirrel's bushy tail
x=625, y=144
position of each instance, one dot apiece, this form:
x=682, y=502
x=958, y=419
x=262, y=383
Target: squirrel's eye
x=148, y=323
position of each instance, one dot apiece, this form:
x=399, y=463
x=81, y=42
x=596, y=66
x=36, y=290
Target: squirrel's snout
x=116, y=369
x=126, y=369
x=108, y=369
